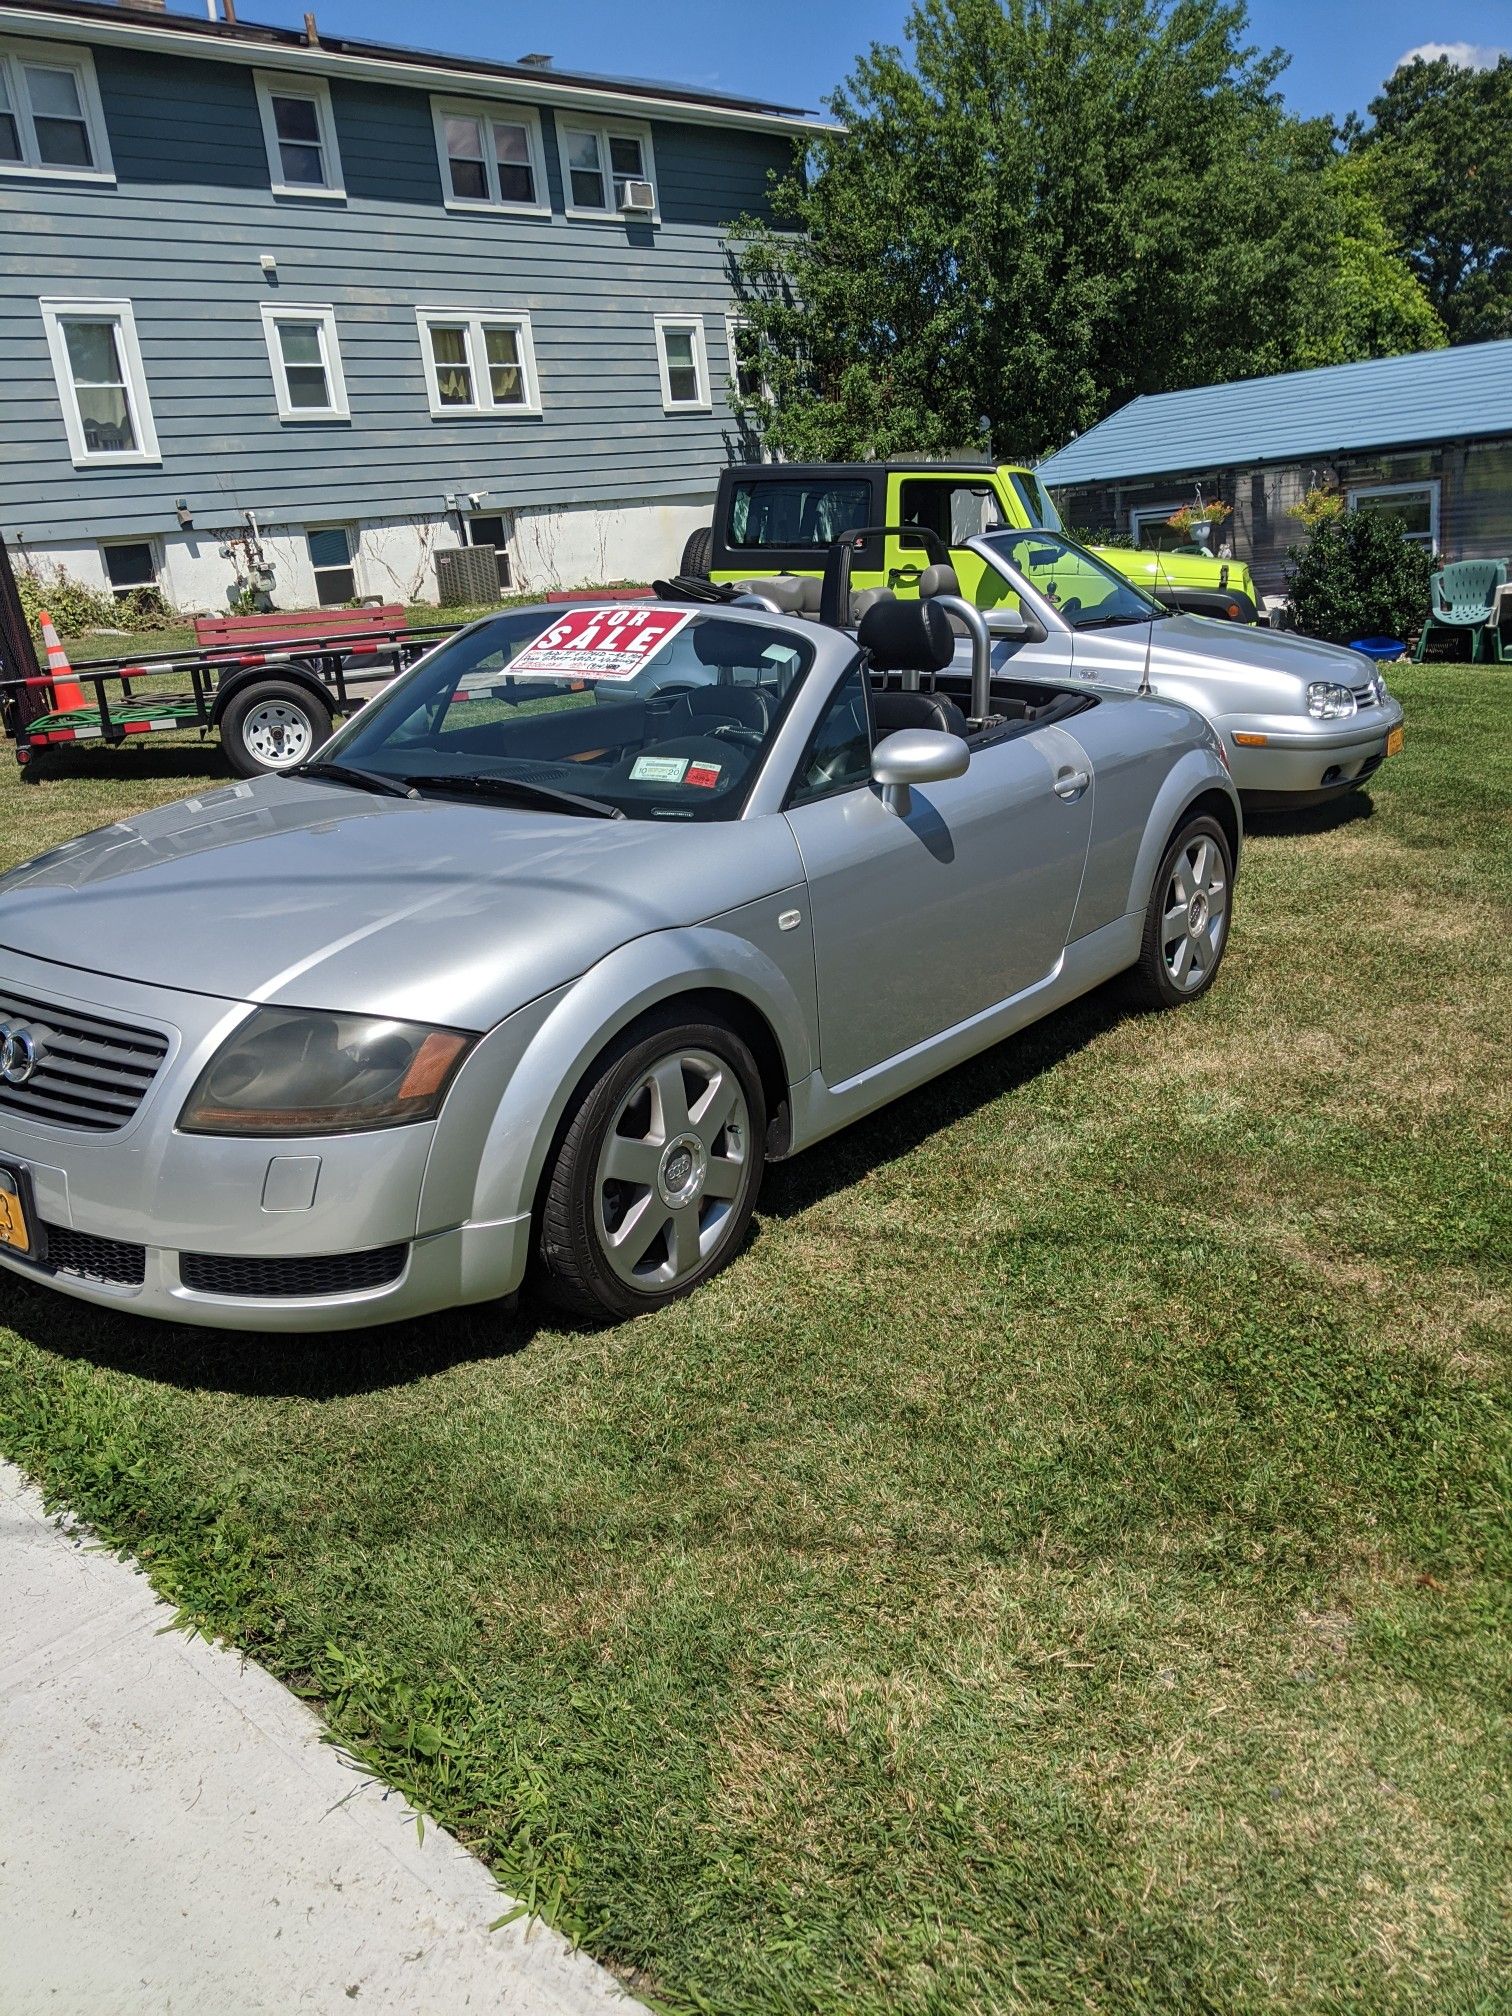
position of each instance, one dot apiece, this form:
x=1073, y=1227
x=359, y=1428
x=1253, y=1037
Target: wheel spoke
x=670, y=1097
x=1175, y=924
x=712, y=1111
x=1201, y=862
x=637, y=1229
x=628, y=1160
x=1181, y=964
x=1181, y=887
x=724, y=1178
x=683, y=1241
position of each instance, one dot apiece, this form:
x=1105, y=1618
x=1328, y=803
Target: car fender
x=508, y=1101
x=1196, y=774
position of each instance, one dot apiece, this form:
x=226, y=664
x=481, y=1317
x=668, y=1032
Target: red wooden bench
x=284, y=626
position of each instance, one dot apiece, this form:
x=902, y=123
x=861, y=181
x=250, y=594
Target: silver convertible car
x=584, y=919
x=1302, y=721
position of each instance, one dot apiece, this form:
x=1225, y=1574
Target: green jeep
x=780, y=517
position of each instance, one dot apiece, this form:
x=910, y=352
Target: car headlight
x=1327, y=702
x=302, y=1071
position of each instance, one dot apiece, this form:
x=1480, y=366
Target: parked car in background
x=780, y=517
x=547, y=952
x=1301, y=721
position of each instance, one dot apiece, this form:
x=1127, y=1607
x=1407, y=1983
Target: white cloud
x=1463, y=55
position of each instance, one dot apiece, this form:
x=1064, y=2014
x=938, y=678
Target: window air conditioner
x=638, y=197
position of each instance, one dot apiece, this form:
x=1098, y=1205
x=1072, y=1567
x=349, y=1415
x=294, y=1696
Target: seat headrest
x=794, y=594
x=906, y=637
x=938, y=580
x=868, y=598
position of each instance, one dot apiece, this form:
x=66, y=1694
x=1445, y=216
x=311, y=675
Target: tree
x=1368, y=301
x=1438, y=157
x=1048, y=207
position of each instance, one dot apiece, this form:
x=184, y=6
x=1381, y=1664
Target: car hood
x=1202, y=643
x=320, y=896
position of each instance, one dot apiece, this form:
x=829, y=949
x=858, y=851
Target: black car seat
x=892, y=711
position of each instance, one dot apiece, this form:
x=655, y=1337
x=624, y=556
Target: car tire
x=656, y=1174
x=1187, y=920
x=698, y=554
x=271, y=726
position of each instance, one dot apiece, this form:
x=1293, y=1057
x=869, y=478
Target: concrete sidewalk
x=176, y=1838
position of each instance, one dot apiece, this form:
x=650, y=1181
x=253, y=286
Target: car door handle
x=1071, y=783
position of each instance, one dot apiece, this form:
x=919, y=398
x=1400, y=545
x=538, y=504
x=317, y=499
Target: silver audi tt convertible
x=557, y=943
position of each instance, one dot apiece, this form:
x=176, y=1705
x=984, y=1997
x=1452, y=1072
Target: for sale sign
x=609, y=643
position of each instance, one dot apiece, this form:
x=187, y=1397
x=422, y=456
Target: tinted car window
x=801, y=512
x=954, y=512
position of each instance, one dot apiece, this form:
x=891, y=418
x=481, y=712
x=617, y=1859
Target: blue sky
x=794, y=51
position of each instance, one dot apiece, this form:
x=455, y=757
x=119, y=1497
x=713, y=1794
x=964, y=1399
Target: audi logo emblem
x=19, y=1054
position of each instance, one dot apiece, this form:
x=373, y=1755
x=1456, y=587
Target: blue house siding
x=180, y=236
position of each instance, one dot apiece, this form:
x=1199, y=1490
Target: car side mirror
x=915, y=756
x=1013, y=626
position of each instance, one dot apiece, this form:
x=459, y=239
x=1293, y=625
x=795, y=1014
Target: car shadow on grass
x=341, y=1364
x=164, y=763
x=1297, y=822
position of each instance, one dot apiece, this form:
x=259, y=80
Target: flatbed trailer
x=272, y=705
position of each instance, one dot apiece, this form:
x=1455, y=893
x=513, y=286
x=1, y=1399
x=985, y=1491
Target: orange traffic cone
x=68, y=694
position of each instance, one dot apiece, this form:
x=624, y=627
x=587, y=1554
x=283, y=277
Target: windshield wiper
x=522, y=789
x=1112, y=622
x=364, y=780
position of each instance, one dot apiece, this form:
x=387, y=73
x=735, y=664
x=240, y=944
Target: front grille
x=89, y=1073
x=93, y=1259
x=321, y=1274
x=1366, y=695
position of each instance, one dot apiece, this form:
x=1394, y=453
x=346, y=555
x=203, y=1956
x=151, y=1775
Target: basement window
x=331, y=563
x=130, y=564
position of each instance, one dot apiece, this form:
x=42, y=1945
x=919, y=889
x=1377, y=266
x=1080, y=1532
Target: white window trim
x=155, y=560
x=57, y=56
x=733, y=325
x=55, y=312
x=354, y=557
x=704, y=403
x=504, y=115
x=273, y=84
x=324, y=317
x=605, y=129
x=475, y=320
x=1158, y=512
x=1428, y=483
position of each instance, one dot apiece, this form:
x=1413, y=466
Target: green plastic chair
x=1461, y=597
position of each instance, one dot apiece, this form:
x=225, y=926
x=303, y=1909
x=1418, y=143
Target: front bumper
x=1308, y=758
x=293, y=1226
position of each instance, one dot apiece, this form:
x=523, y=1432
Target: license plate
x=15, y=1219
x=1394, y=742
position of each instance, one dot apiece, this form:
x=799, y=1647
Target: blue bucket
x=1381, y=649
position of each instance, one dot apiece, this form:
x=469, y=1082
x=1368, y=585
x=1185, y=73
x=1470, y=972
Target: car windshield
x=1087, y=594
x=641, y=710
x=1038, y=504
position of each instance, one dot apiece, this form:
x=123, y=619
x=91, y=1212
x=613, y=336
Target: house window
x=98, y=366
x=600, y=162
x=490, y=160
x=1150, y=532
x=51, y=120
x=684, y=363
x=747, y=380
x=130, y=565
x=331, y=563
x=306, y=361
x=488, y=528
x=478, y=362
x=1413, y=506
x=299, y=131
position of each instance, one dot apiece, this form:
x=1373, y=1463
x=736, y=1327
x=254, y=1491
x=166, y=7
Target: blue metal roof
x=1434, y=395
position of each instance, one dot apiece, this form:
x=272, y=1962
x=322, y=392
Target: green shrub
x=1359, y=576
x=76, y=607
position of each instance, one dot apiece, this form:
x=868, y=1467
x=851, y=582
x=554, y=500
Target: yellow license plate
x=1394, y=742
x=14, y=1230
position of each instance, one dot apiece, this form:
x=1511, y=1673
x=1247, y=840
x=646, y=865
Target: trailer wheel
x=272, y=725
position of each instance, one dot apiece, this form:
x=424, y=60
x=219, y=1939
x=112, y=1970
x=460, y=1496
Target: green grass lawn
x=1059, y=1568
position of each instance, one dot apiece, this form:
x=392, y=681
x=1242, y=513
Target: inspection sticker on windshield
x=658, y=769
x=609, y=643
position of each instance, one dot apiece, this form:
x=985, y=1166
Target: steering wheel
x=1071, y=606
